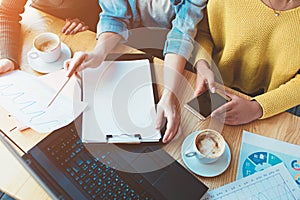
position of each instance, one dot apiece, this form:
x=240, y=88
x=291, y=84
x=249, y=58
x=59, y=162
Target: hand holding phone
x=204, y=104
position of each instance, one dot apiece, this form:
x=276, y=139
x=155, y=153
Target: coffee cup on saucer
x=207, y=146
x=46, y=46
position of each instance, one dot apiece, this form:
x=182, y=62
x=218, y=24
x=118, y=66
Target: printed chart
x=274, y=183
x=256, y=156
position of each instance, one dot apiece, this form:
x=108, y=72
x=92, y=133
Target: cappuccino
x=209, y=145
x=47, y=46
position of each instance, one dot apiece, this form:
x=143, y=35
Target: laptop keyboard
x=98, y=180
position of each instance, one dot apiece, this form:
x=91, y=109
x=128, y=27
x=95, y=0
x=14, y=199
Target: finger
x=159, y=117
x=81, y=66
x=77, y=28
x=231, y=119
x=172, y=126
x=67, y=64
x=231, y=95
x=76, y=62
x=71, y=27
x=210, y=81
x=208, y=76
x=84, y=28
x=224, y=109
x=68, y=23
x=80, y=28
x=200, y=86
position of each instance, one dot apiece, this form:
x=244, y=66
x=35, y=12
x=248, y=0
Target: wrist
x=168, y=95
x=201, y=64
x=256, y=107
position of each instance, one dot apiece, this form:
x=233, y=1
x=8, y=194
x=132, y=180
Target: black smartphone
x=204, y=104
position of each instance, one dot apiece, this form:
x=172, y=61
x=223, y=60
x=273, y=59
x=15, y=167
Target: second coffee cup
x=208, y=146
x=46, y=46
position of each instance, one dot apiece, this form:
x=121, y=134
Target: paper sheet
x=274, y=183
x=256, y=156
x=26, y=98
x=121, y=102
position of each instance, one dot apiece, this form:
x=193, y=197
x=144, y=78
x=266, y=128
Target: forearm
x=280, y=99
x=10, y=28
x=173, y=69
x=106, y=42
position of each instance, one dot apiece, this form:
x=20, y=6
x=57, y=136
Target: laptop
x=67, y=170
x=70, y=169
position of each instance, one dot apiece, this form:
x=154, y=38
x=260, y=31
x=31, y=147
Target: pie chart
x=259, y=161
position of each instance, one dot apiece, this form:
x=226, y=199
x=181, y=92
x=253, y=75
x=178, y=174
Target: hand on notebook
x=167, y=107
x=6, y=65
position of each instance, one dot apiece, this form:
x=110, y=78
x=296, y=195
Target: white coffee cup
x=46, y=46
x=207, y=146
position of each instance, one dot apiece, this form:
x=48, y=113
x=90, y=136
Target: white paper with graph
x=26, y=98
x=121, y=105
x=273, y=183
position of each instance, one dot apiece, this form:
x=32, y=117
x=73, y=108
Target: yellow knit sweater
x=254, y=50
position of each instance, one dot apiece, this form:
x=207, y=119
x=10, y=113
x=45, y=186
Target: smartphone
x=204, y=104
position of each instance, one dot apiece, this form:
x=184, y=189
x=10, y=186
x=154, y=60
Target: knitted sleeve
x=286, y=95
x=10, y=11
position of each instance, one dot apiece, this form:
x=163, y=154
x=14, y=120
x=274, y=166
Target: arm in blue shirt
x=120, y=15
x=180, y=39
x=117, y=16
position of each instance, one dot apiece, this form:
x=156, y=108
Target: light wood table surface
x=18, y=183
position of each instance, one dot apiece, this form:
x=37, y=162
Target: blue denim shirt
x=119, y=16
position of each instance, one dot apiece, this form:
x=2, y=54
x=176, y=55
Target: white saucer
x=40, y=66
x=206, y=170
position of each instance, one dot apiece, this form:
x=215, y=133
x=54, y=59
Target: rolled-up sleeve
x=180, y=39
x=115, y=17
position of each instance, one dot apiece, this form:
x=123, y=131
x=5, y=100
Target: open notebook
x=121, y=102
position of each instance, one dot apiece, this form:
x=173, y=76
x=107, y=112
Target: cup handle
x=33, y=54
x=190, y=154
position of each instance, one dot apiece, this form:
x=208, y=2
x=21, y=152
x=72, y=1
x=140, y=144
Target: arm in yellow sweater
x=280, y=99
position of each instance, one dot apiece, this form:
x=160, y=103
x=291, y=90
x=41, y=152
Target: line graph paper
x=274, y=183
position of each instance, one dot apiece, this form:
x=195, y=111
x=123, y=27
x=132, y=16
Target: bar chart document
x=273, y=183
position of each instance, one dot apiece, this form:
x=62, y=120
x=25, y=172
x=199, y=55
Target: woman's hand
x=6, y=65
x=238, y=110
x=205, y=78
x=74, y=26
x=167, y=107
x=82, y=60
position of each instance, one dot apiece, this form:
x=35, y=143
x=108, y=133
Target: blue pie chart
x=259, y=161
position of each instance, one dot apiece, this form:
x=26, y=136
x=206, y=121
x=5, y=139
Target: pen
x=70, y=74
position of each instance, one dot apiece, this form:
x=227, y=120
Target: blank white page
x=120, y=102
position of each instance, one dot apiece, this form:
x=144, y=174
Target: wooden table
x=18, y=183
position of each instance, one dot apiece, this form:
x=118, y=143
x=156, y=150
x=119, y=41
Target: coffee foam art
x=209, y=144
x=47, y=46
